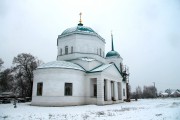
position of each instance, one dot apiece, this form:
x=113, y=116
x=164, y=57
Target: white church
x=82, y=73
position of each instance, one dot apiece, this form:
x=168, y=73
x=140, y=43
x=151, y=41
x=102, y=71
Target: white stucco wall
x=53, y=80
x=117, y=61
x=89, y=45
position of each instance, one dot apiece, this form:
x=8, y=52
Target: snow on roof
x=164, y=93
x=6, y=93
x=87, y=59
x=175, y=92
x=101, y=68
x=61, y=64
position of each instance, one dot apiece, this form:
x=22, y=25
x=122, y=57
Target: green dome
x=79, y=29
x=113, y=53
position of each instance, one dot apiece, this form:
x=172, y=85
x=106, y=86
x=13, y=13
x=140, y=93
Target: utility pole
x=155, y=94
x=154, y=84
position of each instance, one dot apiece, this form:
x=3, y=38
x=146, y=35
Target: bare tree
x=24, y=66
x=1, y=63
x=149, y=92
x=138, y=92
x=6, y=80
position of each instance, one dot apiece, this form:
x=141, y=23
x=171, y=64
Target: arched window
x=71, y=49
x=66, y=49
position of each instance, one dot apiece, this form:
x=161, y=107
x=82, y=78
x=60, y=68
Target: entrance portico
x=108, y=91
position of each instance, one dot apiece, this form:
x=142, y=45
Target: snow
x=165, y=94
x=87, y=59
x=61, y=64
x=144, y=109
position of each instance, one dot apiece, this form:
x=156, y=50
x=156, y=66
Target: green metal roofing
x=82, y=29
x=112, y=53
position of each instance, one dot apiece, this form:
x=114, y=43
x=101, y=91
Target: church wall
x=83, y=46
x=53, y=87
x=112, y=73
x=89, y=44
x=66, y=41
x=117, y=61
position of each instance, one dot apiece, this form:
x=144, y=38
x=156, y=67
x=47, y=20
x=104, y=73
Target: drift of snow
x=144, y=109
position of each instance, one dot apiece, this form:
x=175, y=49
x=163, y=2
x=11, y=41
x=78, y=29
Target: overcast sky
x=146, y=33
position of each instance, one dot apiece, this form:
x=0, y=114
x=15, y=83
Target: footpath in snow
x=144, y=109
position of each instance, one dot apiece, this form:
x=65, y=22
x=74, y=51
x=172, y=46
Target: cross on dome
x=80, y=21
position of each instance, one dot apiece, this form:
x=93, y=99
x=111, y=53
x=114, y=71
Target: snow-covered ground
x=144, y=109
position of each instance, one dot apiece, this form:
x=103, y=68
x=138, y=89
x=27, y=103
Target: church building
x=82, y=73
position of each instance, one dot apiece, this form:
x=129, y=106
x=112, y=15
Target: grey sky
x=146, y=33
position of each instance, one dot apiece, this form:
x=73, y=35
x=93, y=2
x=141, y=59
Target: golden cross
x=80, y=21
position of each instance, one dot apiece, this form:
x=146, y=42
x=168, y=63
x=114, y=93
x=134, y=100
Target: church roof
x=87, y=59
x=79, y=29
x=112, y=53
x=61, y=64
x=101, y=68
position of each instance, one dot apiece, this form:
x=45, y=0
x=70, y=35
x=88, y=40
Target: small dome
x=113, y=54
x=79, y=29
x=61, y=64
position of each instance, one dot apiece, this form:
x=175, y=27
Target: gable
x=108, y=70
x=112, y=71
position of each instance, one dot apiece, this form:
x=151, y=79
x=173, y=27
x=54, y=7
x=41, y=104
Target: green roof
x=112, y=53
x=82, y=29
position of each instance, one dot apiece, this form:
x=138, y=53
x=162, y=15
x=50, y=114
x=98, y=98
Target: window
x=71, y=49
x=95, y=90
x=68, y=89
x=66, y=49
x=39, y=89
x=100, y=51
x=60, y=51
x=97, y=51
x=123, y=92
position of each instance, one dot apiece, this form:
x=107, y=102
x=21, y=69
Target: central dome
x=79, y=29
